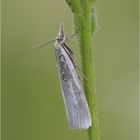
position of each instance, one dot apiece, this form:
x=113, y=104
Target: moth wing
x=77, y=109
x=76, y=105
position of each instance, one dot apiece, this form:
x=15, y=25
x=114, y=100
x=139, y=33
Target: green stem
x=88, y=69
x=83, y=20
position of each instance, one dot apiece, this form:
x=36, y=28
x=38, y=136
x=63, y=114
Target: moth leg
x=83, y=75
x=74, y=34
x=78, y=69
x=83, y=81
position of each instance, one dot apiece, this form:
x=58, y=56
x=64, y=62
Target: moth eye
x=60, y=39
x=57, y=39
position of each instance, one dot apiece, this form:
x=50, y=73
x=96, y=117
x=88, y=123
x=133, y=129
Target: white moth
x=76, y=105
x=77, y=109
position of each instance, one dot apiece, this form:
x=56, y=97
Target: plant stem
x=87, y=66
x=83, y=20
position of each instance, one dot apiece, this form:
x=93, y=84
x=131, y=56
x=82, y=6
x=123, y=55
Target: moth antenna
x=39, y=45
x=43, y=44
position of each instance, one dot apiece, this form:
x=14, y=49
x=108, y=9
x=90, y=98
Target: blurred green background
x=32, y=105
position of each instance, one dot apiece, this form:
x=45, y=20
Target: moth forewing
x=77, y=109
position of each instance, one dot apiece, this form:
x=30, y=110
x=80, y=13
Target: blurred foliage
x=32, y=105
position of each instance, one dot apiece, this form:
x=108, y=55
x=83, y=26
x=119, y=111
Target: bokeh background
x=32, y=105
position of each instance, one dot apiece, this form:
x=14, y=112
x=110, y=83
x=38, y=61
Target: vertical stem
x=88, y=69
x=82, y=16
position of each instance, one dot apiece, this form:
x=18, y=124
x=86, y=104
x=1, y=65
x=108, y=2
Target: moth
x=77, y=110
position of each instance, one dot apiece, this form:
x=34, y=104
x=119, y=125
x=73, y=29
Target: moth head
x=61, y=35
